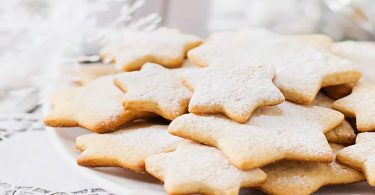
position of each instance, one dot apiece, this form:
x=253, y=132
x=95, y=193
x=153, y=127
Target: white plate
x=121, y=182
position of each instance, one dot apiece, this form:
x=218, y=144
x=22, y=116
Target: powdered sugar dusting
x=146, y=140
x=155, y=84
x=292, y=177
x=164, y=46
x=360, y=53
x=127, y=147
x=96, y=106
x=300, y=69
x=284, y=131
x=200, y=169
x=101, y=90
x=235, y=92
x=361, y=154
x=361, y=102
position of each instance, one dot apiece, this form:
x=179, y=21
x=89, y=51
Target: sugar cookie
x=194, y=168
x=361, y=102
x=96, y=106
x=286, y=131
x=361, y=105
x=154, y=89
x=301, y=69
x=236, y=92
x=360, y=53
x=342, y=134
x=293, y=177
x=125, y=148
x=87, y=73
x=361, y=155
x=164, y=46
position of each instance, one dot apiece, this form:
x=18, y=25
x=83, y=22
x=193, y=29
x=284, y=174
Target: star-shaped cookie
x=96, y=106
x=303, y=178
x=361, y=105
x=286, y=131
x=301, y=68
x=87, y=73
x=361, y=102
x=362, y=54
x=194, y=168
x=164, y=46
x=361, y=156
x=125, y=148
x=235, y=92
x=154, y=89
x=342, y=134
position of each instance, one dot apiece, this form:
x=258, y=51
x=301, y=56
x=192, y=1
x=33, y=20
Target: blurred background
x=37, y=37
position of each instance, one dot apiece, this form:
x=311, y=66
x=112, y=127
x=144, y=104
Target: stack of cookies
x=249, y=108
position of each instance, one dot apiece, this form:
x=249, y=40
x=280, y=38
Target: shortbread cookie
x=164, y=46
x=301, y=69
x=154, y=89
x=342, y=134
x=286, y=131
x=125, y=148
x=323, y=41
x=236, y=92
x=361, y=105
x=195, y=168
x=360, y=53
x=361, y=155
x=293, y=177
x=361, y=102
x=96, y=106
x=87, y=73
